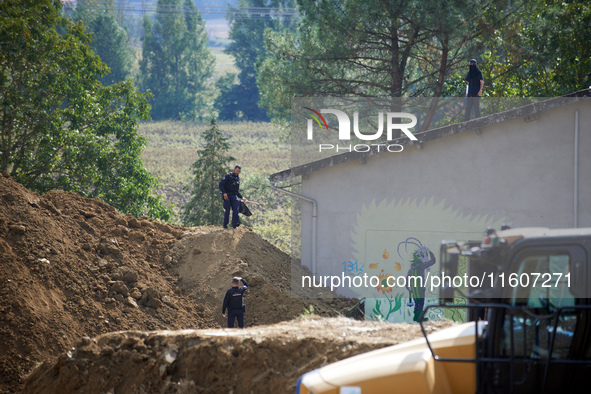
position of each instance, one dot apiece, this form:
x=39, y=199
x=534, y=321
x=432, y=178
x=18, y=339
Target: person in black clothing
x=474, y=91
x=230, y=189
x=234, y=302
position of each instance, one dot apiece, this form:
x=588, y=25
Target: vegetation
x=109, y=38
x=61, y=128
x=172, y=145
x=69, y=121
x=410, y=48
x=240, y=100
x=176, y=62
x=541, y=55
x=210, y=166
x=373, y=48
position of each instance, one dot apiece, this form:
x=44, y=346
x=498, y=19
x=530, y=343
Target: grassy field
x=172, y=149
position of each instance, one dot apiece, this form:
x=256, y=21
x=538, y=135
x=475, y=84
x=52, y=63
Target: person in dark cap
x=234, y=302
x=474, y=90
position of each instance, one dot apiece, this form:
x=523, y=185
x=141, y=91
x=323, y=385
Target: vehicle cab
x=530, y=328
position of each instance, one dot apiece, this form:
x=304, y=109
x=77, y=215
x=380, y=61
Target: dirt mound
x=72, y=267
x=263, y=359
x=206, y=261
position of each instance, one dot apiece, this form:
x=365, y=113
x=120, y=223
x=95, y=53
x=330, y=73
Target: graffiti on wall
x=399, y=240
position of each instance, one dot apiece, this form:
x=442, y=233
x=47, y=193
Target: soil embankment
x=260, y=359
x=72, y=267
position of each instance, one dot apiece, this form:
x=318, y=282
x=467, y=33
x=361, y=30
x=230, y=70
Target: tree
x=389, y=48
x=175, y=61
x=229, y=103
x=109, y=38
x=204, y=208
x=247, y=46
x=61, y=129
x=543, y=54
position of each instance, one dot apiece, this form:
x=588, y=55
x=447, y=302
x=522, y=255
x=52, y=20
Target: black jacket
x=230, y=184
x=473, y=78
x=233, y=298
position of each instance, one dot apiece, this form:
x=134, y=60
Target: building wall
x=377, y=213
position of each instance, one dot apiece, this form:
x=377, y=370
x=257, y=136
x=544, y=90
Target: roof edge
x=433, y=134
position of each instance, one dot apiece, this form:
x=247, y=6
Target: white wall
x=514, y=172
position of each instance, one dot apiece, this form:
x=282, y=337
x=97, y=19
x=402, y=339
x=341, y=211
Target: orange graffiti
x=383, y=284
x=386, y=254
x=373, y=266
x=397, y=266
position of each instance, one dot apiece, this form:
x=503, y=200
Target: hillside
x=72, y=267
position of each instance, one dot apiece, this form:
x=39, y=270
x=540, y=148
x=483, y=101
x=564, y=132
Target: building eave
x=527, y=112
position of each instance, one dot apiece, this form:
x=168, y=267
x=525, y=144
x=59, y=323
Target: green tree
x=109, y=38
x=61, y=129
x=544, y=54
x=228, y=102
x=175, y=61
x=374, y=48
x=247, y=46
x=205, y=206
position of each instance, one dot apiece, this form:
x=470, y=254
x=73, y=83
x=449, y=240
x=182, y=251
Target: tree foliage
x=240, y=100
x=205, y=206
x=175, y=61
x=374, y=48
x=109, y=38
x=61, y=128
x=543, y=54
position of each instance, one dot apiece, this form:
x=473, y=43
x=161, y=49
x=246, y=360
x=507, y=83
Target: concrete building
x=368, y=213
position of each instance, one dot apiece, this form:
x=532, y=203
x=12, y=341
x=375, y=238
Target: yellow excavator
x=527, y=297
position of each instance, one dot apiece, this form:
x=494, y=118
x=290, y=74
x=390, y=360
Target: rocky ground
x=74, y=273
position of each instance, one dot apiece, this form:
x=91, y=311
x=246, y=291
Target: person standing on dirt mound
x=234, y=302
x=230, y=189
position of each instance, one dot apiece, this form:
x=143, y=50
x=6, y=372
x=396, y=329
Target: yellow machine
x=529, y=302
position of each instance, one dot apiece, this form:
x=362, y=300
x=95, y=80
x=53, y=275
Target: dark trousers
x=235, y=314
x=472, y=102
x=231, y=203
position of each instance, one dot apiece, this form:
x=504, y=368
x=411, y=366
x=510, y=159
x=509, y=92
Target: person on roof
x=474, y=90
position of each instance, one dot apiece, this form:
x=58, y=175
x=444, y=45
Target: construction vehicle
x=530, y=328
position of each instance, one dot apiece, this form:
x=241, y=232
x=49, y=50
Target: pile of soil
x=72, y=267
x=263, y=359
x=205, y=262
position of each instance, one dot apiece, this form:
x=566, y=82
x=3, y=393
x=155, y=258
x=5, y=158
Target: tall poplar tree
x=240, y=100
x=109, y=38
x=205, y=206
x=176, y=62
x=60, y=128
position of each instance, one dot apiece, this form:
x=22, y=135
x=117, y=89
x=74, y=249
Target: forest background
x=128, y=128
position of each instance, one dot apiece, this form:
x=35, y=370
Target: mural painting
x=395, y=242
